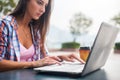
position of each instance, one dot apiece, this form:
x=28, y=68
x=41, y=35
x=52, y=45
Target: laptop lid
x=101, y=48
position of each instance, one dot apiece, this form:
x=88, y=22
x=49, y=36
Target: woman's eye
x=39, y=2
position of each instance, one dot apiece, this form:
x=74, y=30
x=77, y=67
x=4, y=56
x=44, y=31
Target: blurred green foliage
x=70, y=45
x=116, y=19
x=117, y=45
x=6, y=6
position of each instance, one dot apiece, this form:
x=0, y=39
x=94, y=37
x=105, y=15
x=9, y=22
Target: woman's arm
x=6, y=65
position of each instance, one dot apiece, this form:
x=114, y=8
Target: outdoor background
x=97, y=10
x=63, y=11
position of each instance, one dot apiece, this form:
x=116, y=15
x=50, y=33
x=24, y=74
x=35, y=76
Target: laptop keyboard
x=64, y=67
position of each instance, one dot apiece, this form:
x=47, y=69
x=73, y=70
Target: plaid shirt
x=9, y=43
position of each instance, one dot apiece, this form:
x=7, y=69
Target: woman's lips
x=39, y=14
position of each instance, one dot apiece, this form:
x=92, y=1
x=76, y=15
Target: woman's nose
x=43, y=9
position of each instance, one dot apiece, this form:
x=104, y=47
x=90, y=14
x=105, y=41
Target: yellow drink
x=84, y=52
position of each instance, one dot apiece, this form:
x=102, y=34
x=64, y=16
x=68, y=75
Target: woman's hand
x=49, y=60
x=71, y=57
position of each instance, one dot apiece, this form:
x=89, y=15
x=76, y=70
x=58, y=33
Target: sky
x=97, y=10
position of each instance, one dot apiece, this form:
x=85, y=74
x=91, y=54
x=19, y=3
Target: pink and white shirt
x=26, y=54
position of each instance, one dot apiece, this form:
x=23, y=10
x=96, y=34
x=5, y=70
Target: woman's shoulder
x=8, y=21
x=7, y=18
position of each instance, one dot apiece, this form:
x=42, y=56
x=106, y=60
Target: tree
x=7, y=6
x=116, y=19
x=78, y=24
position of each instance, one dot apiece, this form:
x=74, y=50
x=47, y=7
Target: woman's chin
x=36, y=18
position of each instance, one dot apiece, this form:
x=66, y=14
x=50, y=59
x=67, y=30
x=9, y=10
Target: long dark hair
x=41, y=24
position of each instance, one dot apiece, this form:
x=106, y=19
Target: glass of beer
x=84, y=52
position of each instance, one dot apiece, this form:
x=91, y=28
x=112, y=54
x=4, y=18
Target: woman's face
x=35, y=8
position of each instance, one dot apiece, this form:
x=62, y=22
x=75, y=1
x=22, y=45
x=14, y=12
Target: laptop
x=98, y=55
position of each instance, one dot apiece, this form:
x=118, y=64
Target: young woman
x=22, y=37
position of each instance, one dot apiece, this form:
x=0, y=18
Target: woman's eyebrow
x=43, y=2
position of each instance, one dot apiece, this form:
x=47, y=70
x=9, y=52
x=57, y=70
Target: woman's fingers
x=56, y=58
x=77, y=58
x=67, y=58
x=71, y=57
x=45, y=61
x=50, y=62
